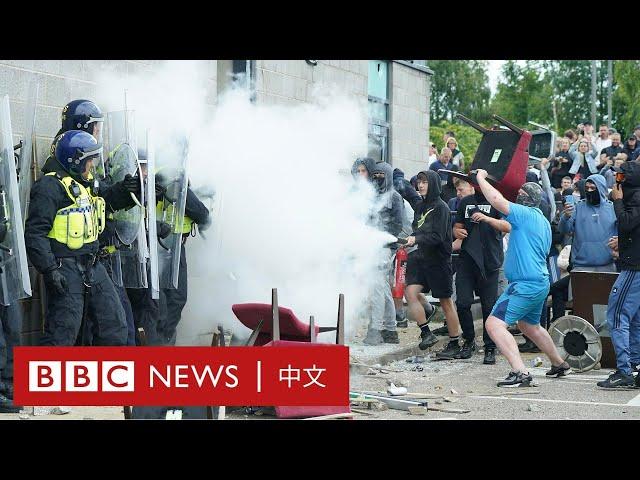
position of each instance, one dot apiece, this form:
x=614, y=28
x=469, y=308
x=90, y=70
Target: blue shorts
x=522, y=301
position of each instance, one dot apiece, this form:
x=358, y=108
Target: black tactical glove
x=131, y=183
x=56, y=280
x=163, y=229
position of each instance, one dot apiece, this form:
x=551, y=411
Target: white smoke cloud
x=284, y=215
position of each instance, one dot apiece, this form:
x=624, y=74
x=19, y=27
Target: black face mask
x=593, y=197
x=380, y=183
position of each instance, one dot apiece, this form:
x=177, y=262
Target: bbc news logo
x=316, y=375
x=81, y=376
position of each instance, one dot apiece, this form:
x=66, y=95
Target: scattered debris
x=449, y=409
x=533, y=408
x=416, y=359
x=454, y=392
x=438, y=387
x=417, y=368
x=392, y=402
x=418, y=410
x=377, y=366
x=335, y=416
x=536, y=362
x=371, y=371
x=395, y=391
x=450, y=400
x=23, y=416
x=361, y=412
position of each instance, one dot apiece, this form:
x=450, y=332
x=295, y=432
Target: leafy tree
x=626, y=97
x=459, y=86
x=468, y=138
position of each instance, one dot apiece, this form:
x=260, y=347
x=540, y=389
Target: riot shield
x=150, y=202
x=14, y=270
x=130, y=260
x=172, y=176
x=26, y=176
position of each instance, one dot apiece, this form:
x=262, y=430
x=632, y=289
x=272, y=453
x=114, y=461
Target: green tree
x=523, y=94
x=459, y=86
x=468, y=138
x=626, y=96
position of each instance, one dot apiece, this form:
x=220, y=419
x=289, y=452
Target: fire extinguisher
x=400, y=270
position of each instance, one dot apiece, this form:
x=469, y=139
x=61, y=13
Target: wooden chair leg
x=254, y=335
x=340, y=326
x=275, y=315
x=312, y=330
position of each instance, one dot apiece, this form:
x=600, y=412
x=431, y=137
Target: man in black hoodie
x=623, y=310
x=429, y=267
x=387, y=216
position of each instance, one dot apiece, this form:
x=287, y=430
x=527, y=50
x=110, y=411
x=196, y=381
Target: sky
x=494, y=73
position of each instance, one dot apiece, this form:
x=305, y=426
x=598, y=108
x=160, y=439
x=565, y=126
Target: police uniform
x=66, y=215
x=160, y=318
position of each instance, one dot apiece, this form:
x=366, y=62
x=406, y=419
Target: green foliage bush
x=468, y=138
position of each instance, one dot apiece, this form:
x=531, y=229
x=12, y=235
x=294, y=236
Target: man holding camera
x=623, y=310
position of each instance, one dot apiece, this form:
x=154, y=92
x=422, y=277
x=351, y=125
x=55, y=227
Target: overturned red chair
x=274, y=326
x=503, y=153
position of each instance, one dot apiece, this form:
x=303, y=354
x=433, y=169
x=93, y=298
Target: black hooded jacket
x=389, y=216
x=628, y=215
x=47, y=197
x=432, y=222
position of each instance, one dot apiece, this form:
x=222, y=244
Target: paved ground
x=573, y=397
x=473, y=385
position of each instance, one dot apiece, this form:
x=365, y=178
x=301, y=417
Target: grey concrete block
x=48, y=66
x=14, y=82
x=56, y=91
x=73, y=69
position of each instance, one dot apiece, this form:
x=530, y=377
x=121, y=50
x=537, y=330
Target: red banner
x=186, y=376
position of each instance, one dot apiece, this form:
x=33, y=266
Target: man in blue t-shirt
x=526, y=270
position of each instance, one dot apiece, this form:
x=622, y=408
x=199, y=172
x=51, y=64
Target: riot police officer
x=66, y=215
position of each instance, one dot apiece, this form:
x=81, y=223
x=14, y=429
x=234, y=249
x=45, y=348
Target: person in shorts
x=429, y=267
x=526, y=270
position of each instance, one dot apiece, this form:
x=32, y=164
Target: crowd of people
x=578, y=210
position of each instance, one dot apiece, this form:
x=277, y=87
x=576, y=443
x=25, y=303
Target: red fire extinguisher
x=400, y=270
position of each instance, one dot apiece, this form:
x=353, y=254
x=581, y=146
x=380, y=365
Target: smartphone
x=619, y=177
x=569, y=199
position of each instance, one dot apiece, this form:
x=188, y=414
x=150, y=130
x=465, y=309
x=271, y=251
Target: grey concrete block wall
x=409, y=118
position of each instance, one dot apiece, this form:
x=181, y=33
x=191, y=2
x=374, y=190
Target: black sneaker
x=516, y=379
x=427, y=339
x=489, y=356
x=618, y=379
x=528, y=347
x=638, y=381
x=559, y=371
x=7, y=406
x=389, y=336
x=449, y=352
x=442, y=331
x=635, y=369
x=514, y=330
x=402, y=322
x=374, y=337
x=434, y=310
x=468, y=347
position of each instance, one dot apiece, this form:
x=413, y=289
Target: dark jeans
x=124, y=300
x=469, y=279
x=560, y=295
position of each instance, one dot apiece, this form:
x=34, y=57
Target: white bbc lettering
x=45, y=376
x=231, y=375
x=81, y=376
x=118, y=376
x=180, y=376
x=153, y=372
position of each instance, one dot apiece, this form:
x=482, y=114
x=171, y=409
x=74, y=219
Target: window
x=239, y=73
x=378, y=91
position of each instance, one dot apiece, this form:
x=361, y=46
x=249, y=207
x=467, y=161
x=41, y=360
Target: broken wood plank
x=331, y=417
x=419, y=410
x=361, y=412
x=449, y=410
x=358, y=364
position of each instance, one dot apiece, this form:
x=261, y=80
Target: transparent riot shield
x=26, y=174
x=171, y=174
x=129, y=262
x=14, y=270
x=150, y=204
